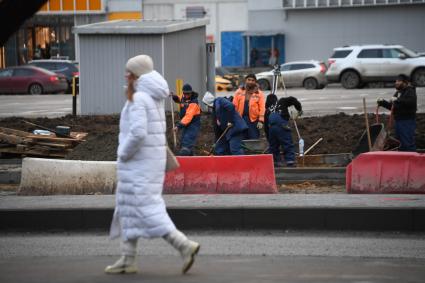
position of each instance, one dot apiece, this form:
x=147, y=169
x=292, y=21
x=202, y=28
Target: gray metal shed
x=177, y=48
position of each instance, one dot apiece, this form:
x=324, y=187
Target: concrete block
x=53, y=177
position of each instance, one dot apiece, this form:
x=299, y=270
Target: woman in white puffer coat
x=140, y=209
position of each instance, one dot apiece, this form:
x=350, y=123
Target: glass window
x=285, y=67
x=370, y=53
x=23, y=73
x=408, y=52
x=390, y=53
x=5, y=73
x=341, y=53
x=295, y=67
x=62, y=66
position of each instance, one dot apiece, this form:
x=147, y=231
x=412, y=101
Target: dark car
x=65, y=67
x=30, y=79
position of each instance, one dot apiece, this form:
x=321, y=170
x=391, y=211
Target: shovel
x=221, y=136
x=172, y=121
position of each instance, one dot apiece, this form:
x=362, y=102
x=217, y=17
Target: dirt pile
x=340, y=133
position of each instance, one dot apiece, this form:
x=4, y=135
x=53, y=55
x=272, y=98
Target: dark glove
x=380, y=101
x=176, y=99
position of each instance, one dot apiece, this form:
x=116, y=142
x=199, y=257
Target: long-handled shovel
x=172, y=121
x=221, y=136
x=369, y=140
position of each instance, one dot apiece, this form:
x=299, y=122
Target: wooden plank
x=34, y=152
x=78, y=137
x=52, y=138
x=12, y=139
x=9, y=131
x=57, y=145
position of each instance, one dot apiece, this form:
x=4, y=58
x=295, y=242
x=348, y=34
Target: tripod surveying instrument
x=277, y=77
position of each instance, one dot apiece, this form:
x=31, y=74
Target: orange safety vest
x=257, y=104
x=192, y=111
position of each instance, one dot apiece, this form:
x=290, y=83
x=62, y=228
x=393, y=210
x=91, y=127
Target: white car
x=353, y=66
x=309, y=74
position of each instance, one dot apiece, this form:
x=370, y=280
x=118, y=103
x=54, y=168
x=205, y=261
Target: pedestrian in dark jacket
x=403, y=105
x=279, y=132
x=190, y=120
x=227, y=123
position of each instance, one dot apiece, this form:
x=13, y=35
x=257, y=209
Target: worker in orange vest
x=249, y=102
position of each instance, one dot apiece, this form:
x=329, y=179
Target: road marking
x=347, y=108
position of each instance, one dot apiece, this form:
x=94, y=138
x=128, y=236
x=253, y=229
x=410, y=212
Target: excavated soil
x=340, y=133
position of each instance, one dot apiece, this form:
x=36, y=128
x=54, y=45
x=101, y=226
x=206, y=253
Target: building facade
x=228, y=21
x=312, y=28
x=49, y=32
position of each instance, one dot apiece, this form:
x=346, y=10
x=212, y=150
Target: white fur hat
x=208, y=99
x=140, y=65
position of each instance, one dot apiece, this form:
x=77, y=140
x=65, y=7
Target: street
x=225, y=256
x=330, y=100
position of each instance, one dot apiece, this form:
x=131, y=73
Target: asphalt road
x=331, y=100
x=225, y=256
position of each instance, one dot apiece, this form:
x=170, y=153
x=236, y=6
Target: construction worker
x=228, y=125
x=403, y=104
x=271, y=104
x=250, y=103
x=279, y=132
x=190, y=119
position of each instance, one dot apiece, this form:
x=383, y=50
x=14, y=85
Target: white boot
x=187, y=248
x=127, y=262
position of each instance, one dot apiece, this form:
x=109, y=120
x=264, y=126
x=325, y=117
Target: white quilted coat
x=140, y=209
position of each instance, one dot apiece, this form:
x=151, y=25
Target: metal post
x=211, y=68
x=74, y=97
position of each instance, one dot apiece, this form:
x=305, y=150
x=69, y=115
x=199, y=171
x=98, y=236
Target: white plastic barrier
x=53, y=177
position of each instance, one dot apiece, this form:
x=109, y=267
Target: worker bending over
x=279, y=132
x=228, y=125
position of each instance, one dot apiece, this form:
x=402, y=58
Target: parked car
x=307, y=74
x=65, y=67
x=355, y=65
x=227, y=75
x=30, y=79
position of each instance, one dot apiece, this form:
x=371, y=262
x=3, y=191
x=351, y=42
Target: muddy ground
x=340, y=133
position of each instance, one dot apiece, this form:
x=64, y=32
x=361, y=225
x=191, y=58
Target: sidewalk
x=277, y=211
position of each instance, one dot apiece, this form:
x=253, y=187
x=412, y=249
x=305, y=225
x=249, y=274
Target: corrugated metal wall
x=185, y=58
x=102, y=68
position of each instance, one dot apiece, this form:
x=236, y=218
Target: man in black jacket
x=278, y=130
x=403, y=104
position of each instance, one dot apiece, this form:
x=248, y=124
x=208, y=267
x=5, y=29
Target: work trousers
x=252, y=132
x=230, y=146
x=405, y=133
x=280, y=136
x=188, y=138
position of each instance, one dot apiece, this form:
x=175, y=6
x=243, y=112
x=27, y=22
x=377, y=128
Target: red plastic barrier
x=386, y=172
x=244, y=174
